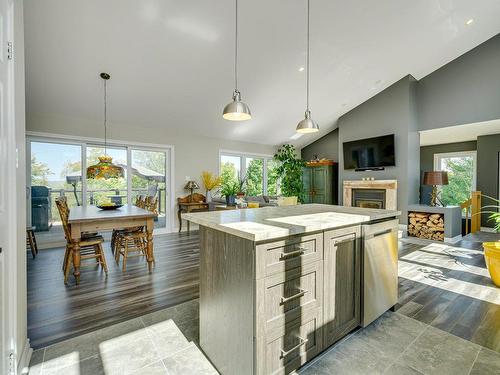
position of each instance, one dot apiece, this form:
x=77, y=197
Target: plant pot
x=492, y=259
x=240, y=194
x=230, y=200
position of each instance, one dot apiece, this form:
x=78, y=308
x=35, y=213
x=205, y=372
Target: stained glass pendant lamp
x=236, y=110
x=105, y=168
x=307, y=125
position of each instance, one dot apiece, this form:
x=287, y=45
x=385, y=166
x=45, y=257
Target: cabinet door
x=342, y=275
x=307, y=183
x=322, y=185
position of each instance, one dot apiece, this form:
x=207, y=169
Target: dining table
x=93, y=219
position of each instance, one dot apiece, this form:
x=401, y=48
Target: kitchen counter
x=279, y=285
x=268, y=223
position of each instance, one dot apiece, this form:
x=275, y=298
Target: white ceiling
x=459, y=133
x=172, y=61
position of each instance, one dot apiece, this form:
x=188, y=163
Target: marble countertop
x=267, y=223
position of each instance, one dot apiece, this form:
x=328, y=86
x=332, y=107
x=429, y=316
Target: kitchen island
x=278, y=285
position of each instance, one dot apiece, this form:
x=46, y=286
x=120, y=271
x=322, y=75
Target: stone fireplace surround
x=373, y=187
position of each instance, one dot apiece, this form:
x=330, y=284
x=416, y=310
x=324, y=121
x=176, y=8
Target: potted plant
x=229, y=190
x=210, y=181
x=492, y=249
x=289, y=171
x=241, y=187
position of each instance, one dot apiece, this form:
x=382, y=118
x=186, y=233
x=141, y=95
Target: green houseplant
x=229, y=189
x=289, y=171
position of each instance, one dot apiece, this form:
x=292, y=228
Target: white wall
x=19, y=84
x=192, y=153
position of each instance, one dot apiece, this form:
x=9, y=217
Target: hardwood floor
x=449, y=288
x=445, y=286
x=57, y=312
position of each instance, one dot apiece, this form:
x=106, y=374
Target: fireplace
x=368, y=198
x=371, y=193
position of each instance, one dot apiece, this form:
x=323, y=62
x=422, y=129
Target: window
x=58, y=168
x=461, y=168
x=259, y=171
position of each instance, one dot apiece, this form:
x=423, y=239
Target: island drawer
x=280, y=256
x=293, y=344
x=289, y=295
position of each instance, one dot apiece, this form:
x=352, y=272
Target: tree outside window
x=461, y=168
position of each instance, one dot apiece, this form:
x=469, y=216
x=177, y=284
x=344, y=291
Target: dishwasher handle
x=373, y=235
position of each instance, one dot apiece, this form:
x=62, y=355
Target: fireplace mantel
x=390, y=187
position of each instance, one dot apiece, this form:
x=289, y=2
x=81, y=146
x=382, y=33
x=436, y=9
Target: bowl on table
x=109, y=206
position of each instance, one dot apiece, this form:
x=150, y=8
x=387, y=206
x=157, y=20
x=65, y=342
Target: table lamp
x=435, y=179
x=191, y=185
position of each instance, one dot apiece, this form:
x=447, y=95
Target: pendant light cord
x=236, y=50
x=105, y=119
x=307, y=57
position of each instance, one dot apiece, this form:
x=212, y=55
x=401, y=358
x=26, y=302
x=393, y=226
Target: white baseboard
x=25, y=358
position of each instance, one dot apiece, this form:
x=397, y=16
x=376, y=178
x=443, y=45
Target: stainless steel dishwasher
x=380, y=269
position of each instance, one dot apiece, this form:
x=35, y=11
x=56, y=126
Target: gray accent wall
x=464, y=91
x=488, y=148
x=393, y=111
x=326, y=147
x=427, y=161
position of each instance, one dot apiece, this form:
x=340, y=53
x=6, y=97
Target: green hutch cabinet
x=320, y=180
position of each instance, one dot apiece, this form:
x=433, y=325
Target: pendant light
x=105, y=168
x=307, y=125
x=236, y=110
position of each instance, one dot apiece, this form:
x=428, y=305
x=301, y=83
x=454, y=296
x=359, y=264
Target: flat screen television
x=370, y=153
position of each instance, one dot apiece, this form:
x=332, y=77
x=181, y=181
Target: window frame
x=85, y=142
x=439, y=156
x=243, y=164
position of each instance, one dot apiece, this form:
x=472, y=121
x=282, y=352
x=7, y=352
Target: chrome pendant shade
x=307, y=125
x=105, y=168
x=236, y=110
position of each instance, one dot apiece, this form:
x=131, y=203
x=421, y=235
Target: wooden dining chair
x=134, y=240
x=140, y=202
x=31, y=241
x=90, y=246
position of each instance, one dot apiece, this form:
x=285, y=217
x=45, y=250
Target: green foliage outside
x=229, y=175
x=39, y=172
x=460, y=177
x=253, y=181
x=289, y=171
x=154, y=161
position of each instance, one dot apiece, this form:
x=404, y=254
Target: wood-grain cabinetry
x=342, y=277
x=269, y=307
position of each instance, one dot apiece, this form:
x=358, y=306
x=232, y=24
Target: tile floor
x=164, y=343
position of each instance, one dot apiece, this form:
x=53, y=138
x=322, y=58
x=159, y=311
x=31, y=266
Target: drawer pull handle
x=298, y=295
x=293, y=254
x=302, y=342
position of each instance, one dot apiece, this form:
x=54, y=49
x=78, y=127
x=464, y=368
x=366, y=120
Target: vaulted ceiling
x=172, y=61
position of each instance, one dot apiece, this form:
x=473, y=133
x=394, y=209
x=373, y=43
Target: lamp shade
x=191, y=185
x=237, y=110
x=436, y=178
x=105, y=169
x=307, y=125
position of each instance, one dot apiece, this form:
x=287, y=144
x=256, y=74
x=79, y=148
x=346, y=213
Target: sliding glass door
x=57, y=168
x=149, y=176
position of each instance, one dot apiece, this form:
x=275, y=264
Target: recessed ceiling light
x=301, y=69
x=469, y=21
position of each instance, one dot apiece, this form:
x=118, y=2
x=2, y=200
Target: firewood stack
x=426, y=225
